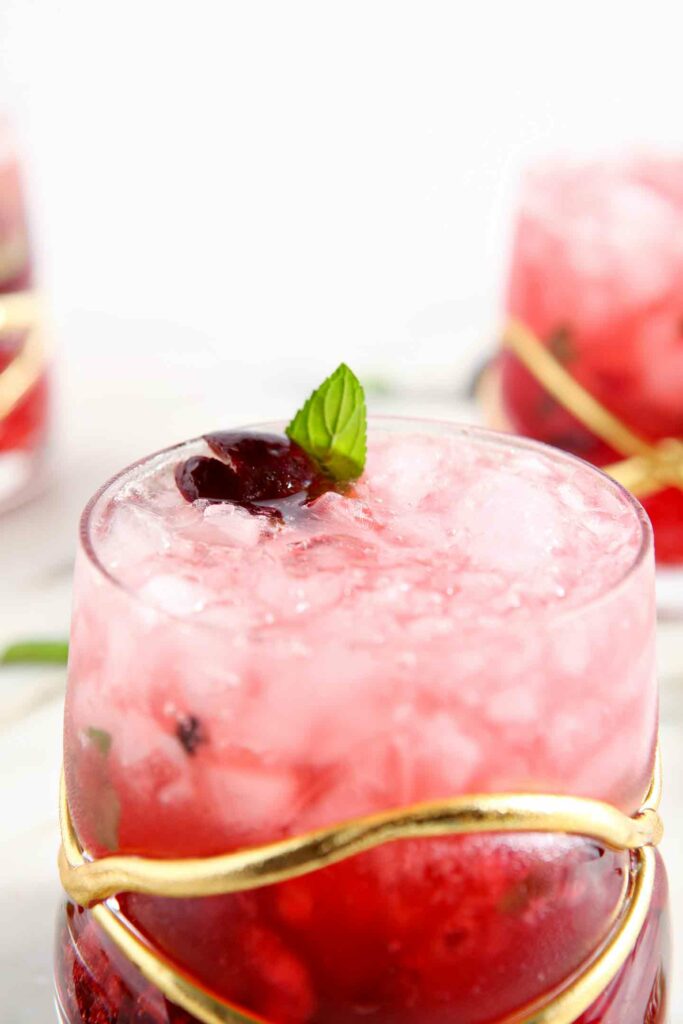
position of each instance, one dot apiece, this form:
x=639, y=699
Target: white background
x=286, y=184
x=231, y=197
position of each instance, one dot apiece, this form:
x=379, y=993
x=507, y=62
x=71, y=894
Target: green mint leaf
x=331, y=426
x=107, y=804
x=108, y=818
x=101, y=739
x=36, y=652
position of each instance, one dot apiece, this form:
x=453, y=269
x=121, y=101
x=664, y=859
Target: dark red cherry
x=266, y=466
x=251, y=470
x=212, y=480
x=202, y=477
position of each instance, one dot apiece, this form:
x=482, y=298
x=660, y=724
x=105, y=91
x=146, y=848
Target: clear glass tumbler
x=391, y=682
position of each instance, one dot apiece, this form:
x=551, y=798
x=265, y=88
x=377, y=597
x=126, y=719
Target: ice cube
x=248, y=798
x=137, y=738
x=402, y=475
x=509, y=524
x=175, y=594
x=131, y=534
x=228, y=524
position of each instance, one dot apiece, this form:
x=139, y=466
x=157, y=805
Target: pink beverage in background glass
x=23, y=381
x=474, y=614
x=597, y=274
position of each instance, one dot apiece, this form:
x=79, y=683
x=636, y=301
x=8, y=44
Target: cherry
x=202, y=477
x=266, y=466
x=251, y=470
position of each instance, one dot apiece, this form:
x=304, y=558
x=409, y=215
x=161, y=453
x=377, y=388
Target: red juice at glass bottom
x=597, y=274
x=474, y=615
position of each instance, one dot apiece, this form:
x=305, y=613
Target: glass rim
x=480, y=434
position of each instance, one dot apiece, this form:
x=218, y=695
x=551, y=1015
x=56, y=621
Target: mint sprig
x=331, y=426
x=36, y=652
x=100, y=737
x=106, y=824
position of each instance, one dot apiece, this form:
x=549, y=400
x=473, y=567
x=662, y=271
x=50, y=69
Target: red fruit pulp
x=449, y=944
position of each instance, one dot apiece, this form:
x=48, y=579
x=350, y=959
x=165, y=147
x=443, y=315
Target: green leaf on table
x=36, y=652
x=331, y=426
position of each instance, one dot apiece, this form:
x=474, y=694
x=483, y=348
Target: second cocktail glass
x=591, y=356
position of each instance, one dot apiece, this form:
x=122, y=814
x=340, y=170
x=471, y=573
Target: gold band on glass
x=92, y=881
x=19, y=311
x=645, y=468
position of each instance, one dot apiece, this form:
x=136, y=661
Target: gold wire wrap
x=20, y=311
x=88, y=881
x=645, y=468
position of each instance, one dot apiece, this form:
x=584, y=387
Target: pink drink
x=597, y=274
x=475, y=615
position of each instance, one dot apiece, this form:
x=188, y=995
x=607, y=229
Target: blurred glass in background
x=595, y=298
x=23, y=375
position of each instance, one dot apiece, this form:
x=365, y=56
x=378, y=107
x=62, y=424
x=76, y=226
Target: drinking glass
x=591, y=359
x=301, y=820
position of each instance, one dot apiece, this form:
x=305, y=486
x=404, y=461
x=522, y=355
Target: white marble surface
x=36, y=547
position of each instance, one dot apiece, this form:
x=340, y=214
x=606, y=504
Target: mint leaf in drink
x=108, y=819
x=108, y=805
x=270, y=476
x=101, y=738
x=36, y=652
x=331, y=426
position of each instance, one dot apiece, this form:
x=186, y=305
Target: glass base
x=96, y=985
